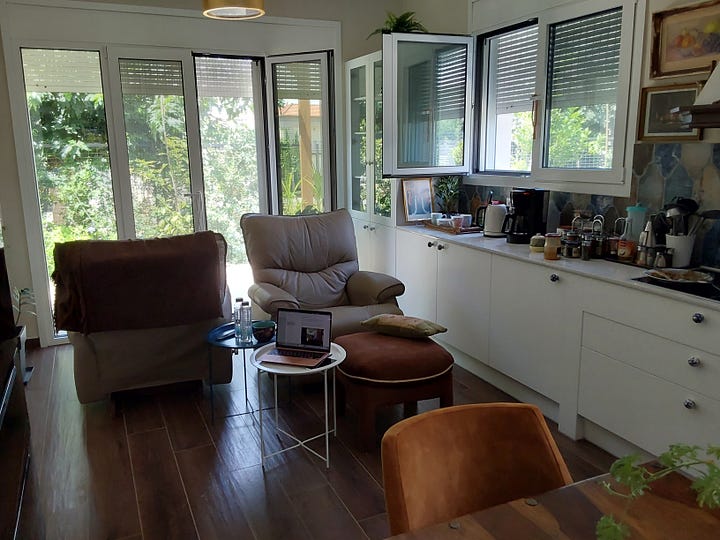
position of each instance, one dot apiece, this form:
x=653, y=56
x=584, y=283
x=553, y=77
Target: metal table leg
x=210, y=382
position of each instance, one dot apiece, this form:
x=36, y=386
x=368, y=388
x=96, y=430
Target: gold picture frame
x=686, y=40
x=417, y=198
x=657, y=123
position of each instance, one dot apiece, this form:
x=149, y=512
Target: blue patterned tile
x=716, y=155
x=710, y=254
x=651, y=189
x=642, y=157
x=678, y=184
x=667, y=157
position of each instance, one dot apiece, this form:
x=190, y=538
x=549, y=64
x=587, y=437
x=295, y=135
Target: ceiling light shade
x=233, y=9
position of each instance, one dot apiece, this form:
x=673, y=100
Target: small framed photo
x=685, y=40
x=418, y=197
x=657, y=122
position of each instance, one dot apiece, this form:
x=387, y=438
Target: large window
x=555, y=97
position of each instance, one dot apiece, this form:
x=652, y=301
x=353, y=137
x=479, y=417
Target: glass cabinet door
x=358, y=138
x=382, y=187
x=427, y=104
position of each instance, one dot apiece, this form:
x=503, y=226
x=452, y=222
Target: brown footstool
x=387, y=370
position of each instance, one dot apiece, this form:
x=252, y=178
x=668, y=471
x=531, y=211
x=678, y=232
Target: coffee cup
x=434, y=216
x=682, y=246
x=457, y=222
x=467, y=220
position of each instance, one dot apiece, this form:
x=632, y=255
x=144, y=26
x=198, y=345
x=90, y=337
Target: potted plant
x=632, y=480
x=447, y=192
x=400, y=23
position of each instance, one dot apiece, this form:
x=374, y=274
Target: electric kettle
x=491, y=218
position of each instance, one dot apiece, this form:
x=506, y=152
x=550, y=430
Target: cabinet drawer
x=642, y=408
x=678, y=363
x=656, y=314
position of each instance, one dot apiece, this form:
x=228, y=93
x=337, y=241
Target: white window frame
x=617, y=180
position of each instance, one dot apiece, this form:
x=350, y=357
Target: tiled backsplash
x=661, y=172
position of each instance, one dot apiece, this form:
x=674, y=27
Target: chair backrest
x=309, y=256
x=452, y=461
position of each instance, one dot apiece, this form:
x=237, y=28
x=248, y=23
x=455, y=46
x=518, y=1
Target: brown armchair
x=449, y=462
x=310, y=262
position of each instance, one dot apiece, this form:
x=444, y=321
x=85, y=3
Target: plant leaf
x=609, y=529
x=708, y=487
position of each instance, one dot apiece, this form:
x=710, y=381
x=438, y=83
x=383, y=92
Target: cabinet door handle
x=372, y=228
x=441, y=247
x=694, y=361
x=366, y=227
x=698, y=318
x=554, y=278
x=689, y=404
x=432, y=244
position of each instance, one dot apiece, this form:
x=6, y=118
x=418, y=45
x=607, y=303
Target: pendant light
x=233, y=9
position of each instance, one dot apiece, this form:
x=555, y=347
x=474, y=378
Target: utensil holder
x=682, y=249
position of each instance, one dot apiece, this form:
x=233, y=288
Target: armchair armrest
x=367, y=288
x=270, y=298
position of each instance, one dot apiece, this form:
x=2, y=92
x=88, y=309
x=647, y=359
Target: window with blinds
x=450, y=67
x=511, y=64
x=582, y=81
x=151, y=77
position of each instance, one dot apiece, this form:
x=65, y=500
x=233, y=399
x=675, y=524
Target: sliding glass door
x=178, y=149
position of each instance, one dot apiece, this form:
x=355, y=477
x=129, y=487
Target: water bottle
x=245, y=322
x=236, y=317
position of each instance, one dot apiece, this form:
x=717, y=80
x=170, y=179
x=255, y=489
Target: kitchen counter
x=611, y=272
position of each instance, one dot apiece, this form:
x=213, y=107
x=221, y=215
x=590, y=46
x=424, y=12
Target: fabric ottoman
x=386, y=370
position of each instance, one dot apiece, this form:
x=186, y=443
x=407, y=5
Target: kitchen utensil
x=701, y=217
x=683, y=248
x=492, y=219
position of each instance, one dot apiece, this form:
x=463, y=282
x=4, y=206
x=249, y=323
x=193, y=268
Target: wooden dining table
x=668, y=512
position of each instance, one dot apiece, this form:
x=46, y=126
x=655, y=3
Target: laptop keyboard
x=297, y=354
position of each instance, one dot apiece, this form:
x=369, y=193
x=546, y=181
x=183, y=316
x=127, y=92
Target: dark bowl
x=263, y=330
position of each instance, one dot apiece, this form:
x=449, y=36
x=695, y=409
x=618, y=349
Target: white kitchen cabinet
x=531, y=326
x=649, y=368
x=448, y=284
x=416, y=266
x=376, y=246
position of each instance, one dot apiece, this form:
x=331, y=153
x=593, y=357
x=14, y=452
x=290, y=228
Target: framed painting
x=418, y=197
x=657, y=122
x=685, y=40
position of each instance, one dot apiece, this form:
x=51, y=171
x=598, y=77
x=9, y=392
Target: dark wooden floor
x=160, y=469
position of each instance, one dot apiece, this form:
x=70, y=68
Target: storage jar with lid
x=552, y=246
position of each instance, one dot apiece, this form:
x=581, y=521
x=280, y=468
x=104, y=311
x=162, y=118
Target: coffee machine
x=527, y=214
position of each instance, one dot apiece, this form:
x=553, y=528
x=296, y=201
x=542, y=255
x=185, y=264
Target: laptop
x=302, y=338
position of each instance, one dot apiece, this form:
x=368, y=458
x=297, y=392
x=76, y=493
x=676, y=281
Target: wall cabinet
x=427, y=104
x=448, y=284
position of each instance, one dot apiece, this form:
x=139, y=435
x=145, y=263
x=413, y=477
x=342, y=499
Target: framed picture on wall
x=657, y=122
x=685, y=40
x=418, y=197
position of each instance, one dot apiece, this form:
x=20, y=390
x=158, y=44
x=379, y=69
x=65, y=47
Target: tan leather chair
x=449, y=462
x=310, y=262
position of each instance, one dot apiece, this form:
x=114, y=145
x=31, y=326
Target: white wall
x=442, y=16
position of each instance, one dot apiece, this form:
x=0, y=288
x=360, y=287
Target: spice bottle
x=626, y=246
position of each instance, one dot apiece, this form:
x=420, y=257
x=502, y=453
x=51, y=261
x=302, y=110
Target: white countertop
x=611, y=272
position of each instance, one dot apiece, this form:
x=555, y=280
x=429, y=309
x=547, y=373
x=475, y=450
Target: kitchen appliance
x=491, y=219
x=527, y=214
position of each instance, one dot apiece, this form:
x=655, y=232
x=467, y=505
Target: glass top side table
x=217, y=338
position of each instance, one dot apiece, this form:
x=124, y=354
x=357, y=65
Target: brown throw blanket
x=131, y=284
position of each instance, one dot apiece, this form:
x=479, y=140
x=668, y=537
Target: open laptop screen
x=302, y=329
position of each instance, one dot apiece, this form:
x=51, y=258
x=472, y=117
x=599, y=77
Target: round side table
x=337, y=356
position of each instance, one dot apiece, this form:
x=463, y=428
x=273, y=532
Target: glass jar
x=552, y=246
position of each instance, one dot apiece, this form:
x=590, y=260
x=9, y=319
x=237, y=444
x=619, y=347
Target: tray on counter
x=452, y=230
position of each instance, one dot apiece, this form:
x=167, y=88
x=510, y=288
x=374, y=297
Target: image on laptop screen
x=301, y=329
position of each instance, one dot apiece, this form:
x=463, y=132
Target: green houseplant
x=400, y=23
x=447, y=192
x=632, y=480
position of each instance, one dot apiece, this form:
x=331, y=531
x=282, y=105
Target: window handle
x=535, y=106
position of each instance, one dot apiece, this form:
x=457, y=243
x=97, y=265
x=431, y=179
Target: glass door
x=300, y=109
x=67, y=117
x=229, y=94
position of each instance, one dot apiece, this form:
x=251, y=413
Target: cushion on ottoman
x=380, y=358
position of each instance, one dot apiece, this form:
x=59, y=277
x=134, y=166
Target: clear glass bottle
x=236, y=316
x=245, y=322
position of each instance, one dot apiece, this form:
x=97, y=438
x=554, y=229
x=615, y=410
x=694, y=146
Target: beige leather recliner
x=310, y=262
